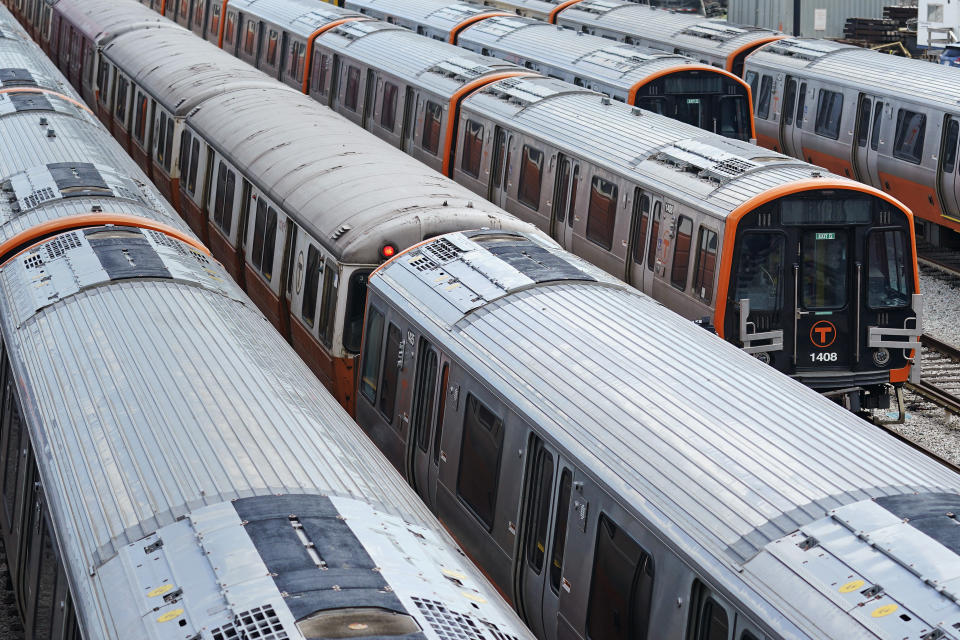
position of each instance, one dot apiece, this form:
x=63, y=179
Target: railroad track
x=947, y=261
x=940, y=369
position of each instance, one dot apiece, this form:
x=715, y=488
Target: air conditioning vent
x=59, y=246
x=261, y=623
x=450, y=625
x=442, y=251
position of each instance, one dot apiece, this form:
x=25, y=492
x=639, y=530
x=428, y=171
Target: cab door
x=426, y=421
x=565, y=200
x=825, y=295
x=948, y=183
x=539, y=568
x=500, y=175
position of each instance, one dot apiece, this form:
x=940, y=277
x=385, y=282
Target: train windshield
x=824, y=269
x=760, y=276
x=705, y=99
x=887, y=282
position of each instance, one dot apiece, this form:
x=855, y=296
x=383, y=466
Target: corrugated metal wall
x=778, y=14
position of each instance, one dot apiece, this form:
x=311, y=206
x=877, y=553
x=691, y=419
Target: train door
x=426, y=421
x=409, y=120
x=638, y=274
x=948, y=181
x=369, y=93
x=565, y=200
x=500, y=176
x=791, y=117
x=825, y=297
x=543, y=536
x=867, y=139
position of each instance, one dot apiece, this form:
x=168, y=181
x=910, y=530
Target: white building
x=938, y=23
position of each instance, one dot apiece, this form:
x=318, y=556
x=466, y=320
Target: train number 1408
x=826, y=356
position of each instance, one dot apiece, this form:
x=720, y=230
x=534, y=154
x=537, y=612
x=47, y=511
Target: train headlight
x=881, y=357
x=387, y=251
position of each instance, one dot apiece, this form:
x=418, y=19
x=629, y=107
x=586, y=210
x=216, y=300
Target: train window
x=602, y=212
x=103, y=82
x=480, y=460
x=681, y=253
x=140, y=130
x=829, y=114
x=194, y=167
x=46, y=580
x=351, y=97
x=540, y=510
x=801, y=105
x=877, y=121
x=329, y=304
x=950, y=145
x=473, y=149
x=713, y=623
x=388, y=107
x=370, y=373
x=531, y=175
x=295, y=69
x=198, y=13
x=657, y=104
x=391, y=372
x=121, y=107
x=789, y=95
x=13, y=456
x=766, y=92
x=863, y=122
x=264, y=239
x=223, y=203
x=185, y=141
x=760, y=271
x=753, y=80
x=231, y=27
x=430, y=139
x=887, y=285
x=746, y=635
x=250, y=38
x=320, y=73
x=621, y=587
x=706, y=267
x=560, y=530
x=563, y=185
x=441, y=406
x=424, y=390
x=166, y=142
x=640, y=231
x=908, y=144
x=654, y=236
x=308, y=310
x=161, y=137
x=353, y=320
x=824, y=269
x=272, y=46
x=734, y=118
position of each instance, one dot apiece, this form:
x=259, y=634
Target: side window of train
x=264, y=239
x=621, y=586
x=298, y=52
x=950, y=145
x=308, y=310
x=198, y=14
x=479, y=469
x=391, y=373
x=473, y=149
x=709, y=619
x=214, y=29
x=103, y=82
x=908, y=143
x=230, y=30
x=189, y=161
x=877, y=121
x=223, y=198
x=642, y=205
x=766, y=92
x=432, y=118
x=372, y=353
x=681, y=253
x=789, y=95
x=351, y=95
x=140, y=128
x=320, y=72
x=752, y=79
x=250, y=38
x=120, y=110
x=705, y=270
x=531, y=177
x=801, y=105
x=164, y=140
x=654, y=236
x=863, y=122
x=602, y=212
x=388, y=106
x=829, y=112
x=273, y=47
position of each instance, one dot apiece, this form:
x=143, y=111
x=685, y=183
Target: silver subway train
x=812, y=272
x=621, y=474
x=169, y=468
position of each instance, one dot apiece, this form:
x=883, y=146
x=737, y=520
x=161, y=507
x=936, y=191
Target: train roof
x=300, y=17
x=702, y=169
x=317, y=166
x=101, y=20
x=192, y=70
x=839, y=64
x=697, y=436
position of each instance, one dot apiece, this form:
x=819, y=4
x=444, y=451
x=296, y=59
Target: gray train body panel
x=721, y=493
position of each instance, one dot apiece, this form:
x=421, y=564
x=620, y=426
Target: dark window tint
x=167, y=145
x=320, y=72
x=621, y=587
x=877, y=121
x=563, y=186
x=602, y=214
x=950, y=145
x=654, y=234
x=121, y=109
x=311, y=285
x=264, y=238
x=351, y=97
x=640, y=232
x=574, y=185
x=353, y=320
x=391, y=372
x=681, y=253
x=472, y=148
x=194, y=167
x=863, y=122
x=753, y=80
x=430, y=140
x=140, y=127
x=298, y=52
x=185, y=141
x=480, y=460
x=734, y=118
x=829, y=113
x=531, y=172
x=250, y=38
x=560, y=531
x=328, y=304
x=441, y=405
x=706, y=268
x=746, y=635
x=370, y=373
x=230, y=28
x=713, y=622
x=542, y=483
x=760, y=271
x=223, y=203
x=424, y=390
x=789, y=95
x=766, y=91
x=824, y=270
x=388, y=107
x=801, y=104
x=259, y=230
x=911, y=127
x=273, y=45
x=887, y=283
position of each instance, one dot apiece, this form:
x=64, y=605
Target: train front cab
x=823, y=285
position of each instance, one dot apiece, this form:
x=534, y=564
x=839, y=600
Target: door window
x=877, y=120
x=681, y=253
x=950, y=145
x=602, y=214
x=824, y=284
x=370, y=373
x=430, y=140
x=425, y=390
x=480, y=460
x=654, y=233
x=789, y=95
x=801, y=104
x=887, y=283
x=563, y=185
x=438, y=429
x=760, y=271
x=829, y=113
x=388, y=107
x=908, y=144
x=714, y=624
x=391, y=373
x=308, y=310
x=705, y=270
x=640, y=234
x=560, y=531
x=540, y=510
x=531, y=172
x=766, y=91
x=863, y=122
x=352, y=97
